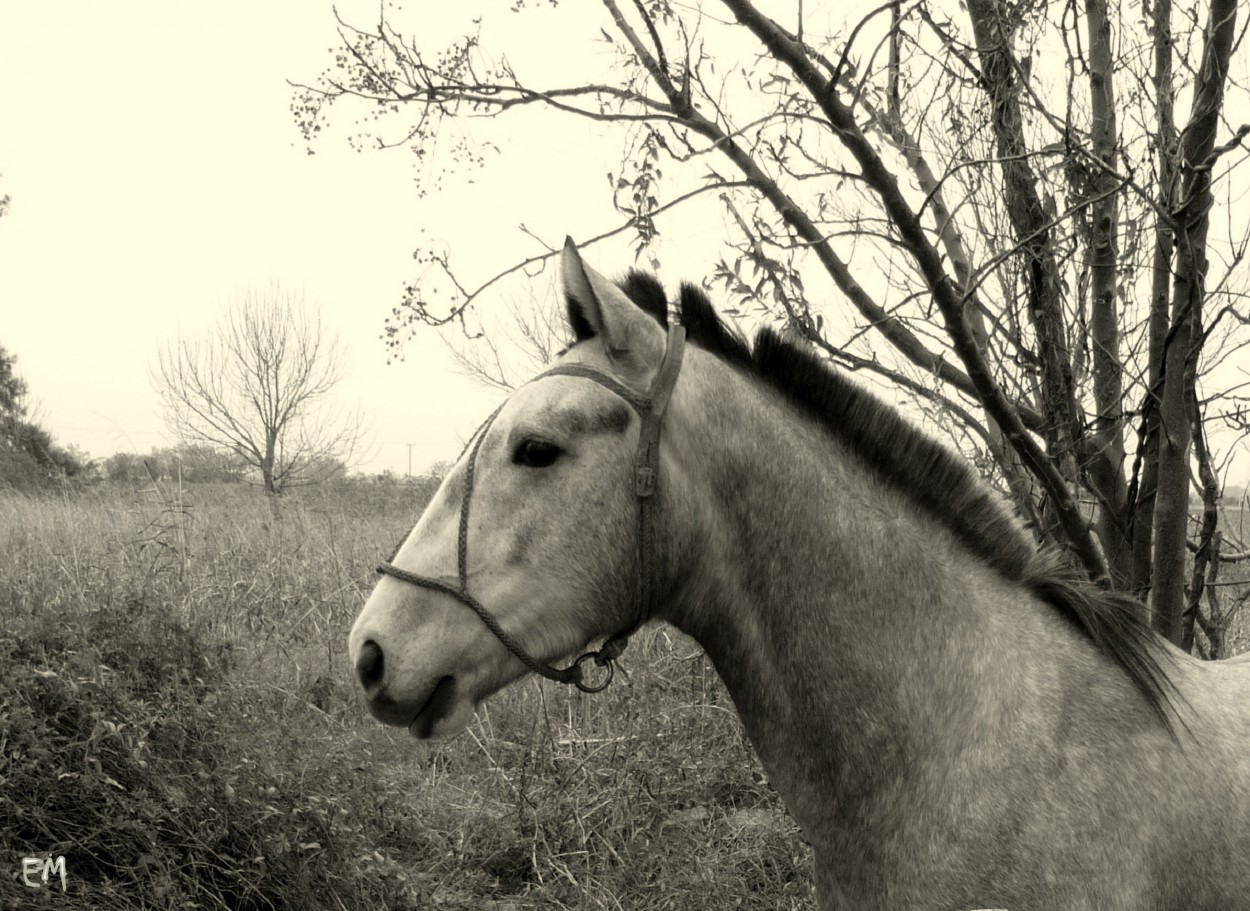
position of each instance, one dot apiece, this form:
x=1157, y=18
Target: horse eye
x=536, y=453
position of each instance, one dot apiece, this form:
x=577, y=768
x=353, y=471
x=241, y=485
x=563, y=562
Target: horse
x=953, y=719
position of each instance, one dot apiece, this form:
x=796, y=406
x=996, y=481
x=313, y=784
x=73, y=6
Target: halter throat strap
x=650, y=410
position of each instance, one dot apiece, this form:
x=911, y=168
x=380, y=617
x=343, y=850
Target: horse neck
x=850, y=628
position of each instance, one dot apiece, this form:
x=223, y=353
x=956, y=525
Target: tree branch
x=949, y=302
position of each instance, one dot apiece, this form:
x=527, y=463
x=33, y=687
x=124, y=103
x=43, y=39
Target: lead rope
x=646, y=473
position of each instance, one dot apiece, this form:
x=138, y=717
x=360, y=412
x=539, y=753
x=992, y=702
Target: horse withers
x=954, y=720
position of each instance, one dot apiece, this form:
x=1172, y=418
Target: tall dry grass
x=177, y=719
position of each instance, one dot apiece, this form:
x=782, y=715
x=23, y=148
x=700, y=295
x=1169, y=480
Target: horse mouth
x=441, y=704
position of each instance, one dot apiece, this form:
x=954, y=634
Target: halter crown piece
x=646, y=475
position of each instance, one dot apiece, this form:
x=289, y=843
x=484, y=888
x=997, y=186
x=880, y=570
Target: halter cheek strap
x=646, y=475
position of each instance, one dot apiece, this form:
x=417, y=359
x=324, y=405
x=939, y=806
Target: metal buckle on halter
x=644, y=481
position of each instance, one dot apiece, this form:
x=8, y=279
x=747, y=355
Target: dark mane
x=940, y=482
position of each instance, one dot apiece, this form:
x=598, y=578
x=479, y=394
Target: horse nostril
x=370, y=666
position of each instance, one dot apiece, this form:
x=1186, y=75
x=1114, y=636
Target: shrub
x=128, y=750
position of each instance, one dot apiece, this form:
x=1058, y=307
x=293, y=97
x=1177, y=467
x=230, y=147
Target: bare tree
x=258, y=386
x=505, y=356
x=1028, y=210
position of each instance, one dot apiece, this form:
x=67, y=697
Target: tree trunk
x=267, y=472
x=1206, y=532
x=1001, y=78
x=1184, y=342
x=1105, y=467
x=1142, y=505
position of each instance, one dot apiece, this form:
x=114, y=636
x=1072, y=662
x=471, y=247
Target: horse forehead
x=577, y=404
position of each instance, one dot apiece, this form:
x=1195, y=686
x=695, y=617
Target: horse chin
x=445, y=714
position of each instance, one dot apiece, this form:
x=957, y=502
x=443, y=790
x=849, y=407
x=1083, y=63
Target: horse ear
x=597, y=307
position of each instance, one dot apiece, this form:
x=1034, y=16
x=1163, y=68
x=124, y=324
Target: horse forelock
x=941, y=483
x=645, y=290
x=704, y=326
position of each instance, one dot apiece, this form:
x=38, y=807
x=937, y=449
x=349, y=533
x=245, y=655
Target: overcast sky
x=155, y=171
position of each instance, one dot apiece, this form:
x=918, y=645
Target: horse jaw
x=445, y=714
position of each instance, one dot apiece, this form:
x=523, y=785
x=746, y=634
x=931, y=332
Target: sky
x=156, y=174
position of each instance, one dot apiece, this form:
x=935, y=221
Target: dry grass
x=177, y=720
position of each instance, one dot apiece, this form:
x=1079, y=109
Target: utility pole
x=410, y=460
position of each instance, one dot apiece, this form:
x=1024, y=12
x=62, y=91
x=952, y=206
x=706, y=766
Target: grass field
x=178, y=721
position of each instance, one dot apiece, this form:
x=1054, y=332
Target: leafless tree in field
x=1031, y=214
x=258, y=385
x=505, y=356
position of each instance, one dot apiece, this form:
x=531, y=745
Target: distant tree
x=258, y=387
x=202, y=464
x=12, y=387
x=197, y=464
x=37, y=443
x=29, y=454
x=122, y=466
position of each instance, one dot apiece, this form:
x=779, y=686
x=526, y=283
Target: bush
x=128, y=750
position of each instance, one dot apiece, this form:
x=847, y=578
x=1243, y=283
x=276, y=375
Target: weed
x=177, y=720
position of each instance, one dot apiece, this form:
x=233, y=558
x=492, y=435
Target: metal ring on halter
x=579, y=679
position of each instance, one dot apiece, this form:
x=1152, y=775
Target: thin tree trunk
x=1206, y=533
x=1106, y=466
x=1215, y=620
x=1184, y=343
x=1001, y=78
x=267, y=473
x=1142, y=505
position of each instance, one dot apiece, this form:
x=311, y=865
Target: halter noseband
x=646, y=473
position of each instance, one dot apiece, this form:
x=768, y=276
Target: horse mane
x=936, y=479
